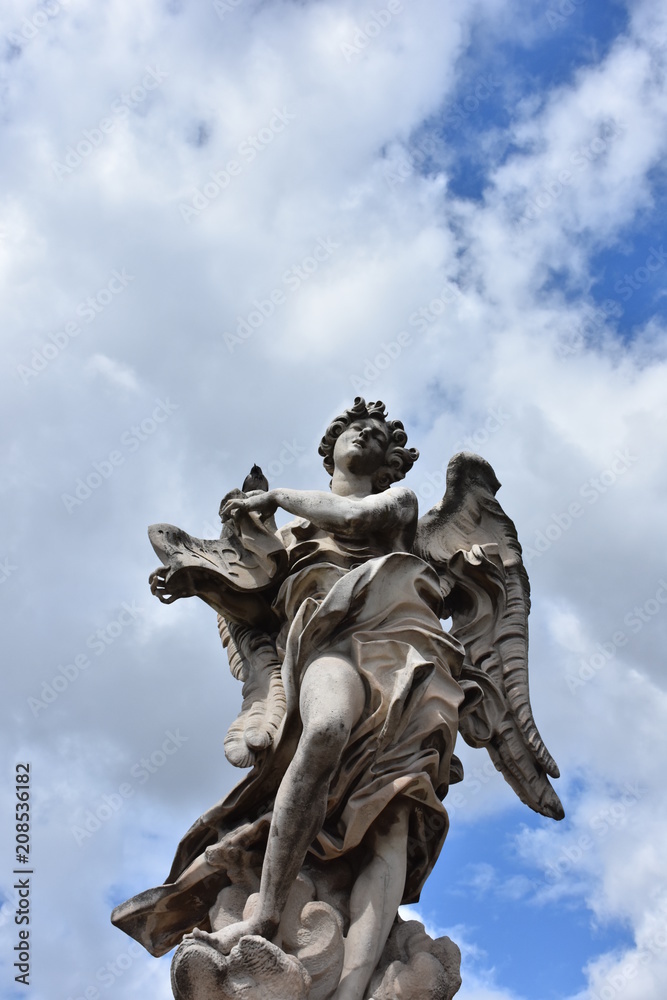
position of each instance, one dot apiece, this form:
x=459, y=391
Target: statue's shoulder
x=404, y=498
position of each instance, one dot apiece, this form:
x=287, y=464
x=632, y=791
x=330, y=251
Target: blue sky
x=484, y=185
x=484, y=882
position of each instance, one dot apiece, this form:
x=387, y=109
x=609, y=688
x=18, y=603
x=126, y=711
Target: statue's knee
x=323, y=743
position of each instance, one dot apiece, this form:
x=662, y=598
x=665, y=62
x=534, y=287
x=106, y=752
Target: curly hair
x=399, y=459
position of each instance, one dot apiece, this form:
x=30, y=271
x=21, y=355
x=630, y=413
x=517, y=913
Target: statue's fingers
x=167, y=600
x=226, y=511
x=157, y=577
x=200, y=935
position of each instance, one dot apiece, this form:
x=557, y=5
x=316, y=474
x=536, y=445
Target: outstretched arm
x=353, y=517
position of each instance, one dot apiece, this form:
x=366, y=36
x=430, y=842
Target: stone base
x=254, y=970
x=413, y=967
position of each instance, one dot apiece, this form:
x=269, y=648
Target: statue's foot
x=225, y=939
x=255, y=969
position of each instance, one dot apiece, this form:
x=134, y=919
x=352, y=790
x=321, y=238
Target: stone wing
x=236, y=574
x=254, y=661
x=473, y=546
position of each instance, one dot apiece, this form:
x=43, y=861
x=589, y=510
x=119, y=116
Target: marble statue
x=353, y=695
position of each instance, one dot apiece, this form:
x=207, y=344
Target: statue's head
x=398, y=460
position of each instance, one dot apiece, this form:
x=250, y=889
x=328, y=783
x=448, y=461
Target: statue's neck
x=347, y=484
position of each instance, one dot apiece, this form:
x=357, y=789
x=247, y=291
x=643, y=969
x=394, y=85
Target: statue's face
x=362, y=447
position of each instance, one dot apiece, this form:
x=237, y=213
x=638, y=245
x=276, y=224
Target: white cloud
x=118, y=375
x=498, y=340
x=478, y=978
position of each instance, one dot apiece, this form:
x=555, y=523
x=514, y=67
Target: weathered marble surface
x=413, y=966
x=353, y=695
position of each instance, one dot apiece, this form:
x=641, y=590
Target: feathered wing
x=253, y=659
x=473, y=546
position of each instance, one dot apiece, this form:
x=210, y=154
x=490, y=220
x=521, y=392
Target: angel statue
x=354, y=692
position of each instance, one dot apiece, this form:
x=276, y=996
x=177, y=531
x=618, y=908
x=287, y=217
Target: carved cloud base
x=254, y=970
x=413, y=967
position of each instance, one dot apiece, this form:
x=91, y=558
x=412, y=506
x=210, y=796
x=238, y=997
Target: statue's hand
x=264, y=503
x=165, y=592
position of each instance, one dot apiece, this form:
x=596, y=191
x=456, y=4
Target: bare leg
x=374, y=902
x=332, y=700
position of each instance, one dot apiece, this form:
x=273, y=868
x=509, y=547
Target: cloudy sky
x=219, y=222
